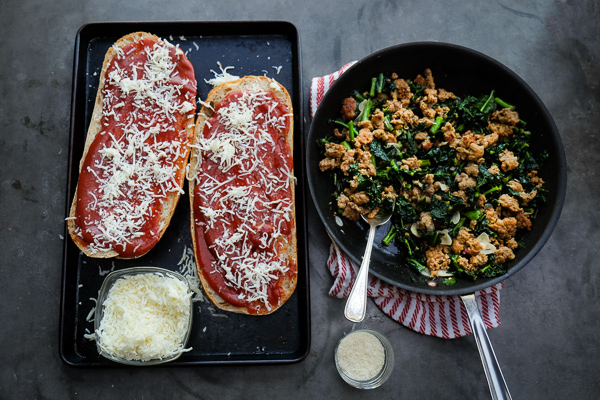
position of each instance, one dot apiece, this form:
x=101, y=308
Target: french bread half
x=133, y=164
x=242, y=196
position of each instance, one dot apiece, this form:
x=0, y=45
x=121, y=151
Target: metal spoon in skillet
x=356, y=304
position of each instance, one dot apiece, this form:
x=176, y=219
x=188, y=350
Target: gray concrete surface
x=548, y=343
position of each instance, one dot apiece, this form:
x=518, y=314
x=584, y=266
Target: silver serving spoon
x=356, y=304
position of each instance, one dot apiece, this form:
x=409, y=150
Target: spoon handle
x=356, y=305
x=493, y=373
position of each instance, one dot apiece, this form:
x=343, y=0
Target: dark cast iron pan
x=462, y=71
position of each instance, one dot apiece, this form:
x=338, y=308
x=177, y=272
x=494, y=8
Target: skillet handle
x=493, y=373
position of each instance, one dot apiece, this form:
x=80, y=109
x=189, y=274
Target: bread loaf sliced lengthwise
x=133, y=165
x=241, y=226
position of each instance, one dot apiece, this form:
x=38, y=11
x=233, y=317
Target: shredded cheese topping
x=221, y=78
x=137, y=169
x=146, y=317
x=237, y=146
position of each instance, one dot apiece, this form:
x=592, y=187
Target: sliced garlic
x=445, y=239
x=414, y=231
x=488, y=248
x=456, y=217
x=483, y=239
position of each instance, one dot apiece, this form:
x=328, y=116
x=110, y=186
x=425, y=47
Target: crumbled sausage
x=359, y=198
x=508, y=160
x=536, y=180
x=503, y=254
x=481, y=200
x=506, y=116
x=327, y=163
x=403, y=117
x=450, y=134
x=437, y=259
x=364, y=137
x=514, y=185
x=465, y=181
x=523, y=221
x=411, y=163
x=472, y=153
x=333, y=153
x=527, y=197
x=389, y=193
x=505, y=228
x=443, y=95
x=365, y=166
x=502, y=122
x=479, y=260
x=512, y=243
x=377, y=118
x=334, y=150
x=426, y=222
x=472, y=169
x=489, y=140
x=421, y=136
x=350, y=210
x=413, y=195
x=428, y=180
x=403, y=89
x=458, y=243
x=348, y=109
x=347, y=161
x=462, y=195
x=509, y=203
x=387, y=137
x=365, y=125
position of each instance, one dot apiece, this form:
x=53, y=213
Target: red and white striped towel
x=441, y=316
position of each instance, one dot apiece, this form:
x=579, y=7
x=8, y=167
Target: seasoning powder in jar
x=360, y=355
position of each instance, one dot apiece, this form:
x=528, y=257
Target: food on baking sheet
x=242, y=196
x=133, y=165
x=459, y=170
x=145, y=316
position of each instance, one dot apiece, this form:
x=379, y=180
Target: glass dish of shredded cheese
x=144, y=316
x=364, y=358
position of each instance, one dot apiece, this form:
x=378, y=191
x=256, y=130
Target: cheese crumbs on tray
x=146, y=317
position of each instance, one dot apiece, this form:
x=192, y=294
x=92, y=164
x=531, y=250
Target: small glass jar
x=108, y=283
x=379, y=377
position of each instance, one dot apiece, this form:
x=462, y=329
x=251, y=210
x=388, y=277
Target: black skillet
x=462, y=71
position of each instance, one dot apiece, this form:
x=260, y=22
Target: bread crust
x=216, y=95
x=95, y=128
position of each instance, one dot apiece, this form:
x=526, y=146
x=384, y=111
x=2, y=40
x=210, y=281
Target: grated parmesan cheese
x=360, y=355
x=146, y=316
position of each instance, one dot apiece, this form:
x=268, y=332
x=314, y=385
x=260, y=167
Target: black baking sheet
x=268, y=48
